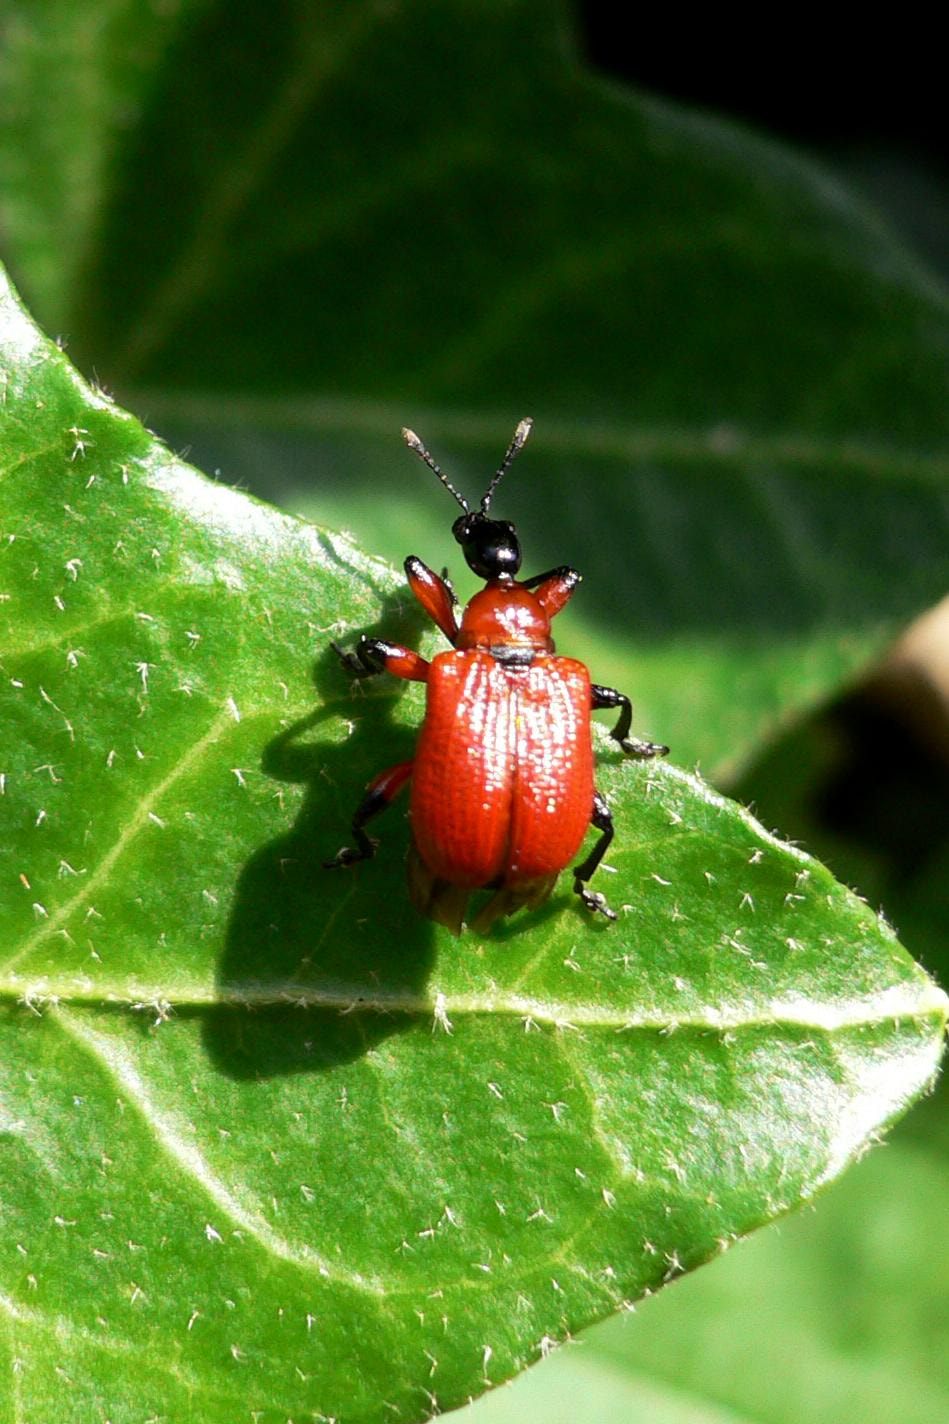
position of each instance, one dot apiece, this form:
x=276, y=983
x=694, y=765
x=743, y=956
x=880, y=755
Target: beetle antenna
x=414, y=443
x=517, y=444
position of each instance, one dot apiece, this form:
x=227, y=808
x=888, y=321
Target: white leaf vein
x=173, y=1137
x=137, y=821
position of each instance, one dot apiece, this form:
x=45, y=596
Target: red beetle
x=502, y=779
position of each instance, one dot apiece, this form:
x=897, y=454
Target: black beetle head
x=490, y=546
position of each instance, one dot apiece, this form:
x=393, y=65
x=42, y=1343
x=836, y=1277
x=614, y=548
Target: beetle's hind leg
x=632, y=746
x=601, y=820
x=380, y=793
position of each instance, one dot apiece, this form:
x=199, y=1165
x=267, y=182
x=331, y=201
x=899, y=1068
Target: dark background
x=873, y=104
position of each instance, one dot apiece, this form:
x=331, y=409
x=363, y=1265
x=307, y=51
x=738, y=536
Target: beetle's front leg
x=435, y=594
x=375, y=655
x=632, y=746
x=446, y=580
x=554, y=588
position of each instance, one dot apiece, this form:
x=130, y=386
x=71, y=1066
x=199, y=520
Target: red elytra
x=502, y=779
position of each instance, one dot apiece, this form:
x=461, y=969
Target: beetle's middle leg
x=601, y=820
x=380, y=793
x=632, y=746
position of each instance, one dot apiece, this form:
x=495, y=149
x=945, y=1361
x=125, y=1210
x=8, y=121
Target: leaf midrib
x=899, y=1003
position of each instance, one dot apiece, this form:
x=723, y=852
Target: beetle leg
x=434, y=594
x=602, y=820
x=380, y=793
x=554, y=588
x=632, y=746
x=375, y=655
x=446, y=580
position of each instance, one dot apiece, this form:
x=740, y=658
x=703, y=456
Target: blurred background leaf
x=281, y=232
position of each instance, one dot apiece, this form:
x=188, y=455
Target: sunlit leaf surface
x=272, y=1146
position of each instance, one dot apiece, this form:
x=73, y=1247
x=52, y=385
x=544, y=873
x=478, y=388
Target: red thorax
x=505, y=614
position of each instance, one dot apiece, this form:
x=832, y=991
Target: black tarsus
x=601, y=820
x=369, y=657
x=632, y=746
x=446, y=580
x=372, y=803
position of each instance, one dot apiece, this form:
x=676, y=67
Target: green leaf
x=429, y=214
x=840, y=1314
x=273, y=1143
x=878, y=820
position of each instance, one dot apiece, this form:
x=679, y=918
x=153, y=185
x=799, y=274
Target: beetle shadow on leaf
x=320, y=965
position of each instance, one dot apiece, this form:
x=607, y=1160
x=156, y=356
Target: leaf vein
x=897, y=1003
x=233, y=188
x=140, y=819
x=186, y=1155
